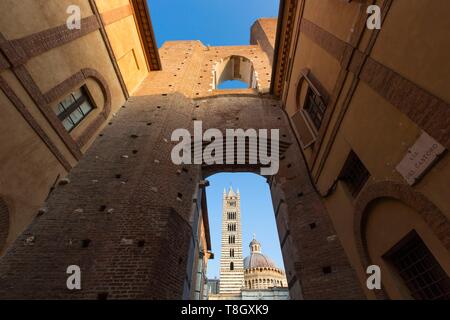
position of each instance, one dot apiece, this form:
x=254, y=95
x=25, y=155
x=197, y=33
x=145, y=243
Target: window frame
x=312, y=107
x=353, y=181
x=412, y=275
x=74, y=106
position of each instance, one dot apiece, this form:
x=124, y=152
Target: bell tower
x=231, y=261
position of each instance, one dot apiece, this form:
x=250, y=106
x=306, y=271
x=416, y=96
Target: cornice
x=142, y=15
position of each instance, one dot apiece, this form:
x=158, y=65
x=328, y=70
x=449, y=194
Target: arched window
x=231, y=266
x=311, y=105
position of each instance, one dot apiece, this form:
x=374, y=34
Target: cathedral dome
x=258, y=260
x=260, y=272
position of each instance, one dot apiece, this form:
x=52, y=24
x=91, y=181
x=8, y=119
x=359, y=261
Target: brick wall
x=126, y=216
x=4, y=223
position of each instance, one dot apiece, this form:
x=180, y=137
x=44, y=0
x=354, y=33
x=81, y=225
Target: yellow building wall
x=26, y=177
x=413, y=42
x=126, y=44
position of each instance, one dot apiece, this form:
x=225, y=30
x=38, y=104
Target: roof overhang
x=286, y=15
x=142, y=16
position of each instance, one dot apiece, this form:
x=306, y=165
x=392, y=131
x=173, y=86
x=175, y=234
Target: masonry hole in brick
x=102, y=208
x=326, y=270
x=135, y=151
x=141, y=243
x=85, y=243
x=102, y=296
x=312, y=225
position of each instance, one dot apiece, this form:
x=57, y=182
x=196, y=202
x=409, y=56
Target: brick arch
x=431, y=214
x=4, y=223
x=150, y=195
x=78, y=78
x=235, y=67
x=435, y=219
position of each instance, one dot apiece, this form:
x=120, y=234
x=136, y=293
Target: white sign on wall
x=421, y=156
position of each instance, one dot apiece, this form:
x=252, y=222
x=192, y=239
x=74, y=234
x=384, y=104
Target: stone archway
x=235, y=68
x=431, y=215
x=428, y=211
x=126, y=191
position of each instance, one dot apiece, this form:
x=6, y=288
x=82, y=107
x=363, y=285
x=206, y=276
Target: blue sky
x=214, y=22
x=224, y=23
x=257, y=216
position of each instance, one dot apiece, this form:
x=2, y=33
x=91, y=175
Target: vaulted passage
x=133, y=218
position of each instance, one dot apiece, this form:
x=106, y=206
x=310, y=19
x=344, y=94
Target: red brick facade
x=124, y=192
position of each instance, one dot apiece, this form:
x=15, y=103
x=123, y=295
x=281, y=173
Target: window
x=74, y=108
x=232, y=253
x=233, y=204
x=231, y=239
x=231, y=266
x=231, y=216
x=416, y=265
x=354, y=173
x=315, y=107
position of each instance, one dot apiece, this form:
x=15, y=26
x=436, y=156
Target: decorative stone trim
x=38, y=43
x=116, y=14
x=63, y=88
x=33, y=123
x=33, y=90
x=432, y=215
x=146, y=33
x=429, y=112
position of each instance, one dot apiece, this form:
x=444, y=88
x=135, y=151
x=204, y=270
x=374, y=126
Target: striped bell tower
x=231, y=261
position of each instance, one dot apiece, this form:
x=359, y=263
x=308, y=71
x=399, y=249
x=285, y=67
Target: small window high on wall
x=74, y=108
